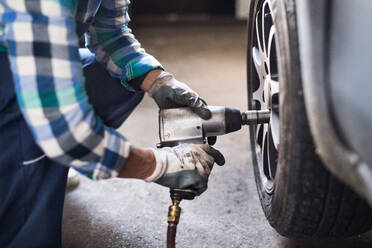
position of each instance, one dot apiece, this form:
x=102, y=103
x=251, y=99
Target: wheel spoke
x=263, y=25
x=258, y=36
x=257, y=95
x=272, y=156
x=274, y=127
x=270, y=42
x=264, y=131
x=259, y=135
x=258, y=63
x=274, y=87
x=264, y=157
x=270, y=174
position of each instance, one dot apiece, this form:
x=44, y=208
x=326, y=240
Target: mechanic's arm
x=115, y=46
x=110, y=38
x=43, y=51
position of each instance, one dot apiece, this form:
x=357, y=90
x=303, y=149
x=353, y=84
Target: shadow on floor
x=360, y=241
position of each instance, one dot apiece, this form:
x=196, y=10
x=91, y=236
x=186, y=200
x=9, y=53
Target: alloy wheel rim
x=266, y=94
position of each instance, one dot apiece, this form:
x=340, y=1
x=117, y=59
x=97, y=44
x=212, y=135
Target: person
x=60, y=106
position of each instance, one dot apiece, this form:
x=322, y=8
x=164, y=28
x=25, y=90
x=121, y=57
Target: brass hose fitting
x=174, y=212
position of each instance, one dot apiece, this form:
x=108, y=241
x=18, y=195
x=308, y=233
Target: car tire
x=303, y=199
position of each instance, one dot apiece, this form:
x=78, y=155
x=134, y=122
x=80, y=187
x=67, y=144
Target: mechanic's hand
x=170, y=93
x=186, y=166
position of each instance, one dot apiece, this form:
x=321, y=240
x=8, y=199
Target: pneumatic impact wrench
x=182, y=125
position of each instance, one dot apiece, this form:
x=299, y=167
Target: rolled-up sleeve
x=110, y=38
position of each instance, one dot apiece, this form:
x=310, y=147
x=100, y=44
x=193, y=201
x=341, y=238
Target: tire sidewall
x=277, y=204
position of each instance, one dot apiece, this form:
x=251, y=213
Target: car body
x=335, y=47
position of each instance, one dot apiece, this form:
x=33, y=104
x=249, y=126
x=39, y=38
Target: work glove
x=186, y=166
x=171, y=93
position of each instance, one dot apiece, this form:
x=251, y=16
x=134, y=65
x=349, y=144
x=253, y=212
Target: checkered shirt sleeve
x=43, y=52
x=112, y=41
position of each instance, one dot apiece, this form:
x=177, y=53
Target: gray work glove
x=186, y=166
x=170, y=93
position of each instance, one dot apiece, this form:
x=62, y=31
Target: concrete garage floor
x=132, y=213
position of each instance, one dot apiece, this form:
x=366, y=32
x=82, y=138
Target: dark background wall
x=183, y=7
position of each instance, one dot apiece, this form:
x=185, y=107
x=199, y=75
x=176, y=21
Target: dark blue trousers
x=32, y=187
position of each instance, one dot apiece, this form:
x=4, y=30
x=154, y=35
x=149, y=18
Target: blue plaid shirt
x=42, y=43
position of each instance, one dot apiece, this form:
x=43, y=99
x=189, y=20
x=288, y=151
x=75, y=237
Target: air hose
x=173, y=218
x=174, y=213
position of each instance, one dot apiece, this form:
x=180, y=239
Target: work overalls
x=32, y=187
